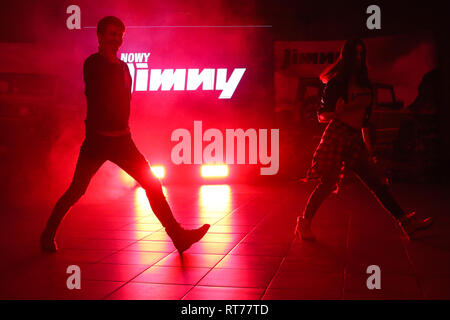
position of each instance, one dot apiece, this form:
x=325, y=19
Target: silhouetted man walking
x=108, y=137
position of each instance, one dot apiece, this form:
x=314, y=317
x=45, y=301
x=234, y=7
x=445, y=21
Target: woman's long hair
x=343, y=67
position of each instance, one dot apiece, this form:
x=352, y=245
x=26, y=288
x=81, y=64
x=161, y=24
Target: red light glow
x=159, y=171
x=214, y=171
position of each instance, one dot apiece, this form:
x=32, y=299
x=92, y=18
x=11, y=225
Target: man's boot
x=183, y=239
x=410, y=223
x=47, y=241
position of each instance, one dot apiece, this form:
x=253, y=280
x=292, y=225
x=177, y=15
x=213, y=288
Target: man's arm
x=91, y=76
x=93, y=87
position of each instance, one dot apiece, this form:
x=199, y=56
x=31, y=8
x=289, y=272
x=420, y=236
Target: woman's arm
x=361, y=101
x=330, y=95
x=367, y=139
x=343, y=108
x=325, y=117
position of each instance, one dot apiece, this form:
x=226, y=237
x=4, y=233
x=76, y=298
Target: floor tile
x=220, y=248
x=309, y=284
x=151, y=245
x=190, y=260
x=261, y=249
x=135, y=257
x=104, y=244
x=436, y=287
x=113, y=272
x=248, y=253
x=392, y=287
x=245, y=278
x=149, y=291
x=223, y=293
x=172, y=275
x=250, y=262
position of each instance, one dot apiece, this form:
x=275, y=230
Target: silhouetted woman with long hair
x=346, y=106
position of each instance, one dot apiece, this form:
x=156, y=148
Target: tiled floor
x=249, y=252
